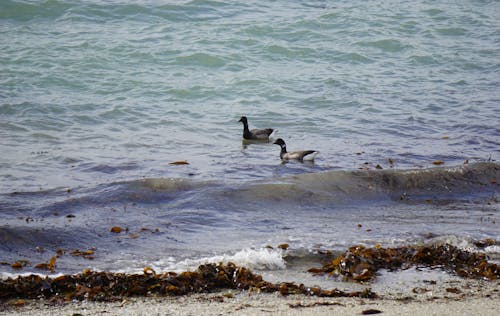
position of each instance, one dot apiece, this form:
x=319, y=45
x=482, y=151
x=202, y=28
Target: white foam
x=254, y=259
x=462, y=243
x=6, y=275
x=495, y=249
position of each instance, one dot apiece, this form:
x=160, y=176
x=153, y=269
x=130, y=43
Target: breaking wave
x=330, y=188
x=350, y=186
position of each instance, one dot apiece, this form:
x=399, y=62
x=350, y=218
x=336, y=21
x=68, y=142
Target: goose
x=254, y=134
x=297, y=155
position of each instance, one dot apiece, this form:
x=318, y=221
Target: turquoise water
x=122, y=88
x=98, y=96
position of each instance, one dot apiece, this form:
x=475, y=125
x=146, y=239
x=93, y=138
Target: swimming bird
x=254, y=134
x=297, y=155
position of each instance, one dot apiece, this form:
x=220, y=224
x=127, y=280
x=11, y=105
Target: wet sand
x=452, y=297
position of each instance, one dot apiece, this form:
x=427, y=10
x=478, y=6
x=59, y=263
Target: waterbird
x=254, y=134
x=297, y=155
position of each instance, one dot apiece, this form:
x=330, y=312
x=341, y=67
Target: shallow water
x=178, y=224
x=99, y=97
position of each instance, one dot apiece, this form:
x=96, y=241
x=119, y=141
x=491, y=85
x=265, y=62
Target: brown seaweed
x=180, y=162
x=360, y=264
x=116, y=229
x=88, y=254
x=51, y=265
x=107, y=286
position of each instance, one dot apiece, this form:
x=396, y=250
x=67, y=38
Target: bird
x=255, y=134
x=296, y=155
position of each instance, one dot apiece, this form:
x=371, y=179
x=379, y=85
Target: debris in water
x=283, y=246
x=180, y=162
x=17, y=265
x=391, y=162
x=51, y=265
x=116, y=229
x=88, y=254
x=485, y=243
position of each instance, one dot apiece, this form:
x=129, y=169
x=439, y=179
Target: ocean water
x=97, y=98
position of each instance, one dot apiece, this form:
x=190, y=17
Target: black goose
x=254, y=134
x=297, y=155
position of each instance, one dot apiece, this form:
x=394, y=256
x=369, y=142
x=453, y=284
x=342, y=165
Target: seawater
x=97, y=98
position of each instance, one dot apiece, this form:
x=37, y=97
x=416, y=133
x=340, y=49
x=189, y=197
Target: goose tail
x=311, y=155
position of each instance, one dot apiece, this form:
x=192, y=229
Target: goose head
x=280, y=142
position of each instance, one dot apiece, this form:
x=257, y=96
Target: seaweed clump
x=361, y=264
x=107, y=286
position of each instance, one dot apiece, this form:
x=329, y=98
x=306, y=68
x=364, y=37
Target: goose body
x=295, y=155
x=255, y=134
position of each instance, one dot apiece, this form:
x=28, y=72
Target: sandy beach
x=452, y=297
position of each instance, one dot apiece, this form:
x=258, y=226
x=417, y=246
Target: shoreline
x=462, y=297
x=416, y=280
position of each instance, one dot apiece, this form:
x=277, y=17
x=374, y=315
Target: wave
x=339, y=187
x=369, y=185
x=329, y=189
x=300, y=259
x=254, y=259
